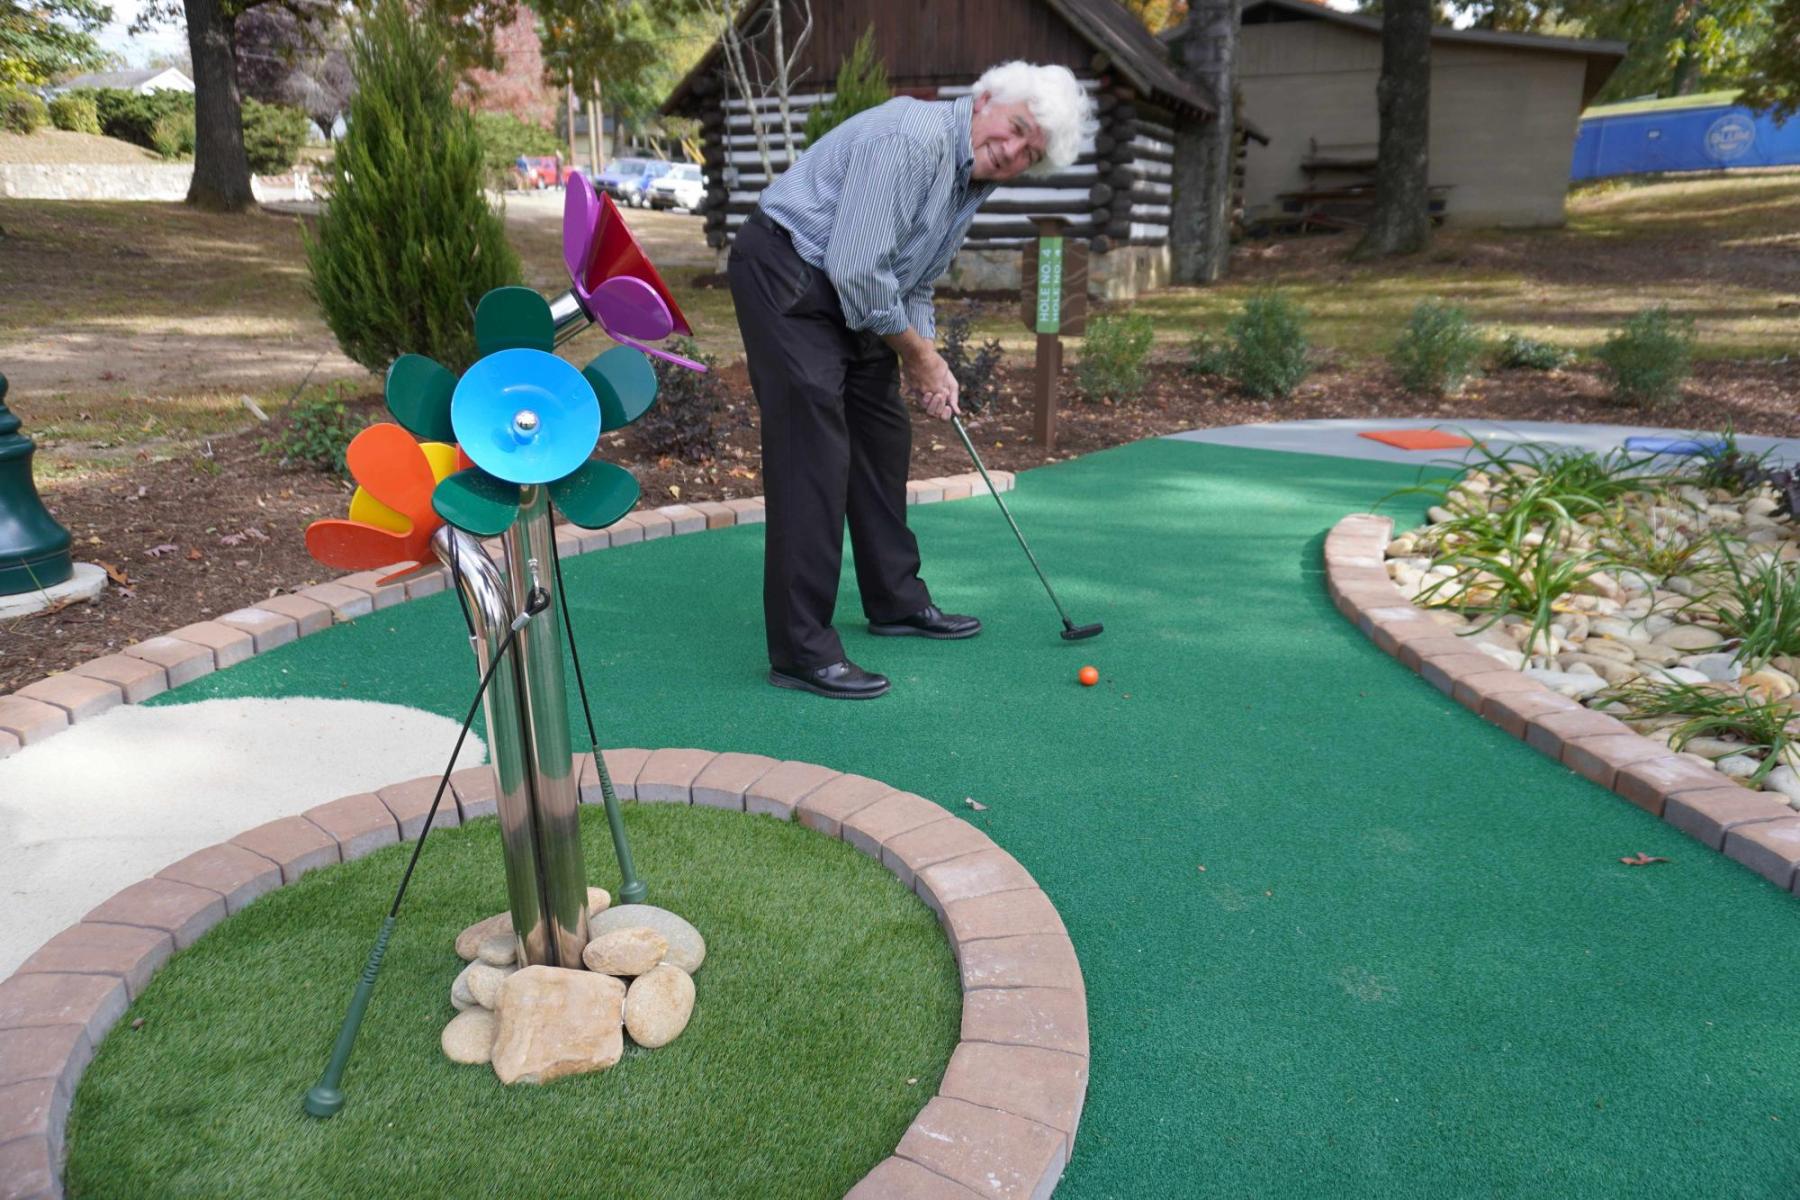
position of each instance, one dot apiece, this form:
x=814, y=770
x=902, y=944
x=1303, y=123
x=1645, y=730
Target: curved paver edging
x=1004, y=1119
x=144, y=669
x=1761, y=833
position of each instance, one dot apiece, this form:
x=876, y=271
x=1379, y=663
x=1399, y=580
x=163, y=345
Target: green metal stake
x=325, y=1099
x=631, y=888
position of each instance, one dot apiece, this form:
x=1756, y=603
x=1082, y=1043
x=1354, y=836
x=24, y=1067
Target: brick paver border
x=1003, y=1121
x=48, y=706
x=1761, y=833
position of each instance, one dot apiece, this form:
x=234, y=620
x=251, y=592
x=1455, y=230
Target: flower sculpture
x=391, y=520
x=524, y=417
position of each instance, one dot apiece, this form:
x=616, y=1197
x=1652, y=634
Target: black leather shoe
x=931, y=622
x=839, y=680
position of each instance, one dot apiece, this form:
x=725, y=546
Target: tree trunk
x=221, y=180
x=1200, y=218
x=569, y=95
x=595, y=120
x=1401, y=223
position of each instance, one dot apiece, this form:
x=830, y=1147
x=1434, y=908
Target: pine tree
x=408, y=243
x=861, y=83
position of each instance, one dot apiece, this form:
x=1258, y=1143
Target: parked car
x=682, y=187
x=624, y=179
x=539, y=171
x=653, y=171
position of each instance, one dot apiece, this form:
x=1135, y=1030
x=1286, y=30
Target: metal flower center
x=525, y=424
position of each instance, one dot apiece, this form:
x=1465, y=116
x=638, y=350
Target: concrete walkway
x=1341, y=438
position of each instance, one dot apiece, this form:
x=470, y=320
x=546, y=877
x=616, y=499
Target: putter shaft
x=1023, y=544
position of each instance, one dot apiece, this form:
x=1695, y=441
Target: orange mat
x=1417, y=439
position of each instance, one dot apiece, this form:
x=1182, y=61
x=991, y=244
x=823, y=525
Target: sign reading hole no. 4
x=1053, y=285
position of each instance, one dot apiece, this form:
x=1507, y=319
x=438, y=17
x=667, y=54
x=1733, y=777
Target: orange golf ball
x=1089, y=676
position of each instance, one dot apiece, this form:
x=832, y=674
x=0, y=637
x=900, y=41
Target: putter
x=1071, y=632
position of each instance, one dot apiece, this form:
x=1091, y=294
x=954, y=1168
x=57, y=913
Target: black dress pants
x=836, y=443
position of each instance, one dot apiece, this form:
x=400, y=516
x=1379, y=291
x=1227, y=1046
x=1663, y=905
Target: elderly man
x=832, y=279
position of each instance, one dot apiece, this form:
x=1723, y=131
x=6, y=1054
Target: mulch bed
x=191, y=537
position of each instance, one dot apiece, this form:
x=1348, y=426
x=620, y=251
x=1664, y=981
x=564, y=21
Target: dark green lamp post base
x=34, y=549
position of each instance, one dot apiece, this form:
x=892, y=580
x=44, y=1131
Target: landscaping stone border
x=137, y=672
x=1001, y=1125
x=1760, y=832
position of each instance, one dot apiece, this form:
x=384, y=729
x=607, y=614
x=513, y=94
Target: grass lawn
x=828, y=1006
x=1717, y=248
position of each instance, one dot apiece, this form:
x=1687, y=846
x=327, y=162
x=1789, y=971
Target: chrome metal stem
x=492, y=610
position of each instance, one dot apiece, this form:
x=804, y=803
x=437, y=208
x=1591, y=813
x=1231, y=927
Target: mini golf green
x=827, y=1009
x=1413, y=966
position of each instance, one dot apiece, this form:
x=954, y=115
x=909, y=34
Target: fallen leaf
x=1642, y=860
x=975, y=804
x=113, y=573
x=194, y=554
x=675, y=490
x=1202, y=870
x=138, y=1024
x=165, y=548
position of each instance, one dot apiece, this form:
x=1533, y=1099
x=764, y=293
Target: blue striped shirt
x=881, y=204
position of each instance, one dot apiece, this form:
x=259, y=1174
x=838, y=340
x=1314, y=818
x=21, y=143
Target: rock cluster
x=536, y=1024
x=1623, y=627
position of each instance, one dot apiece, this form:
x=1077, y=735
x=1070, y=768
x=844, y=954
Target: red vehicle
x=541, y=171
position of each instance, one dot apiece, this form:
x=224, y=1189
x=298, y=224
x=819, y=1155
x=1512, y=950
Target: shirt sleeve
x=884, y=182
x=919, y=312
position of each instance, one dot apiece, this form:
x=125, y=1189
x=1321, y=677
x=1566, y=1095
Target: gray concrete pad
x=1340, y=438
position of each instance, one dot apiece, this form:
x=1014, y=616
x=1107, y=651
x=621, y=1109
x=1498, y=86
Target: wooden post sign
x=1053, y=295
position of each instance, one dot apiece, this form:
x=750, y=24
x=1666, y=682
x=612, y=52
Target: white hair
x=1059, y=104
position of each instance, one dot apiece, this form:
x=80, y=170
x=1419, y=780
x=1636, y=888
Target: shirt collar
x=962, y=114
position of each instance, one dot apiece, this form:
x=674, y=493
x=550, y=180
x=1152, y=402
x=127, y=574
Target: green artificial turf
x=1413, y=965
x=818, y=1031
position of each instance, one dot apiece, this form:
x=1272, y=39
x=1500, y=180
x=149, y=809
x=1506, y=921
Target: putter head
x=1077, y=633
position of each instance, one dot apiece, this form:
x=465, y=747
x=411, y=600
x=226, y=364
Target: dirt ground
x=190, y=537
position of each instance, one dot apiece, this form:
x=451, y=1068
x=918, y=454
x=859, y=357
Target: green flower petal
x=476, y=502
x=625, y=383
x=513, y=318
x=595, y=494
x=418, y=394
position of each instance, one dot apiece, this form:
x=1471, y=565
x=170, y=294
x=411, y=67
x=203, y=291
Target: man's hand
x=925, y=375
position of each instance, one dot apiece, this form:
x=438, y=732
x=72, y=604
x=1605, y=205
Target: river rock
x=460, y=995
x=1567, y=683
x=658, y=1006
x=498, y=949
x=555, y=1022
x=687, y=949
x=1675, y=675
x=1769, y=683
x=468, y=942
x=485, y=980
x=1714, y=748
x=1689, y=637
x=1609, y=669
x=626, y=952
x=599, y=900
x=1738, y=766
x=1785, y=781
x=1720, y=668
x=1605, y=647
x=469, y=1037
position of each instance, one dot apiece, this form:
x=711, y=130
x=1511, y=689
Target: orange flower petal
x=391, y=467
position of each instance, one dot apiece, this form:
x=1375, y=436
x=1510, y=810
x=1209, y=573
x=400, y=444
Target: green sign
x=1049, y=284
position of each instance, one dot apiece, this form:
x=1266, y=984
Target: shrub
x=21, y=111
x=133, y=118
x=1649, y=357
x=75, y=113
x=1266, y=350
x=1518, y=352
x=273, y=135
x=173, y=135
x=977, y=377
x=861, y=83
x=1437, y=350
x=504, y=137
x=680, y=423
x=1112, y=356
x=317, y=433
x=408, y=244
